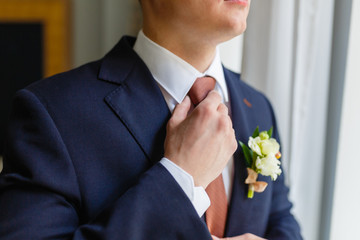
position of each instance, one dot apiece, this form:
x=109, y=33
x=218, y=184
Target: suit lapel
x=138, y=101
x=239, y=204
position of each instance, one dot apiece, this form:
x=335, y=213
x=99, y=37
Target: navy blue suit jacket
x=82, y=156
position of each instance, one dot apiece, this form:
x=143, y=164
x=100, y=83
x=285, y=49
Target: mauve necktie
x=216, y=213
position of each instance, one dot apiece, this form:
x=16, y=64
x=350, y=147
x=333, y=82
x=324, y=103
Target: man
x=96, y=153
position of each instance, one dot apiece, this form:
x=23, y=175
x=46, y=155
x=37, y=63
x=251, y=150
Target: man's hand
x=202, y=142
x=247, y=236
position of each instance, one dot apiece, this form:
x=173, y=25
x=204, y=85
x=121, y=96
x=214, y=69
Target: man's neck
x=199, y=54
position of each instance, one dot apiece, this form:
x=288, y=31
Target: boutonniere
x=262, y=157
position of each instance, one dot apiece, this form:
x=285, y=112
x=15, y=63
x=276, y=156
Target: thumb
x=181, y=110
x=216, y=238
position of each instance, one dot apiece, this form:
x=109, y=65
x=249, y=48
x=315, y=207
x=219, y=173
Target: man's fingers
x=213, y=98
x=223, y=109
x=181, y=110
x=247, y=236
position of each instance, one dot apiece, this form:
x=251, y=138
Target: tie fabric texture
x=217, y=212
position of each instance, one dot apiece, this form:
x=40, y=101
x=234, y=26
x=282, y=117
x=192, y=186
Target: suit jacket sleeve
x=282, y=224
x=40, y=197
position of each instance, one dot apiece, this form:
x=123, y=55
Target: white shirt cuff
x=197, y=195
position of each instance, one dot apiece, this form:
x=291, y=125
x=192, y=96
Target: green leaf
x=270, y=132
x=247, y=154
x=254, y=157
x=256, y=132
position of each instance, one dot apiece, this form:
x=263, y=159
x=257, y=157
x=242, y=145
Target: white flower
x=263, y=147
x=254, y=145
x=264, y=135
x=269, y=146
x=268, y=166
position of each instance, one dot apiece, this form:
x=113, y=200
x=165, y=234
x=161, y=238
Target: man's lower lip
x=241, y=2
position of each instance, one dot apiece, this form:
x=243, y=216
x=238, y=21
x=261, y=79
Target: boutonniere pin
x=262, y=157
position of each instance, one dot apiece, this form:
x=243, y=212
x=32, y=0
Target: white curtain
x=345, y=222
x=99, y=24
x=287, y=52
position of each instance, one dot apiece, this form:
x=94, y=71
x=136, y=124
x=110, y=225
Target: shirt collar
x=174, y=74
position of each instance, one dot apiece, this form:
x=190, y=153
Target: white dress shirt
x=175, y=78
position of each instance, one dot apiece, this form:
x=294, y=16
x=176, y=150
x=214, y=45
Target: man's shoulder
x=88, y=75
x=237, y=80
x=76, y=78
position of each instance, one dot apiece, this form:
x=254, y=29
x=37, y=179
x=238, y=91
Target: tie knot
x=200, y=89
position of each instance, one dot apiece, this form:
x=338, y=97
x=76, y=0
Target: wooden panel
x=35, y=43
x=54, y=15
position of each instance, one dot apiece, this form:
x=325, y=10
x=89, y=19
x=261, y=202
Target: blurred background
x=304, y=55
